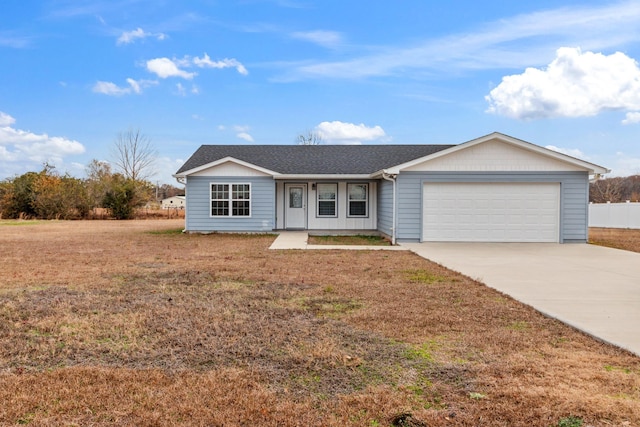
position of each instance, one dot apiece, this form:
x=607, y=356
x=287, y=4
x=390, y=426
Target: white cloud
x=166, y=167
x=573, y=152
x=242, y=132
x=206, y=62
x=514, y=43
x=330, y=39
x=245, y=136
x=631, y=117
x=575, y=84
x=112, y=89
x=130, y=36
x=165, y=67
x=6, y=120
x=620, y=163
x=181, y=90
x=20, y=148
x=338, y=132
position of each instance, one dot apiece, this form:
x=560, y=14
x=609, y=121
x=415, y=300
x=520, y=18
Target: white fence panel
x=614, y=215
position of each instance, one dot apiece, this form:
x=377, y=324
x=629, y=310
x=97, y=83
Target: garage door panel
x=491, y=212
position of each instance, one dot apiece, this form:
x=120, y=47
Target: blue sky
x=73, y=74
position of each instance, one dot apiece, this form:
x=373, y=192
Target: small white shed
x=175, y=202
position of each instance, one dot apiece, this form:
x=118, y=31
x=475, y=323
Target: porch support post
x=392, y=178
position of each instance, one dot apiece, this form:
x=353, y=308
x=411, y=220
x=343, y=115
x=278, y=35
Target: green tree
x=17, y=196
x=122, y=198
x=99, y=181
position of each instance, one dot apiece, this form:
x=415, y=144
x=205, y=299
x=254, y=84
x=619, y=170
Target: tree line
x=615, y=190
x=48, y=194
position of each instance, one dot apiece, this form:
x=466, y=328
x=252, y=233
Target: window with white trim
x=327, y=200
x=230, y=199
x=358, y=200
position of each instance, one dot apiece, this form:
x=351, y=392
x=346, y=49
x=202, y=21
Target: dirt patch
x=105, y=322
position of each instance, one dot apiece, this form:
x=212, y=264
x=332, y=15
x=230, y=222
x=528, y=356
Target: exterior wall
x=385, y=207
x=493, y=156
x=574, y=196
x=614, y=215
x=342, y=221
x=198, y=212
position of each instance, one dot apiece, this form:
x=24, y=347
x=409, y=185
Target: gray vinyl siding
x=198, y=211
x=574, y=198
x=385, y=207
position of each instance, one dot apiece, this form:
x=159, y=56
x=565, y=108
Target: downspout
x=183, y=180
x=392, y=178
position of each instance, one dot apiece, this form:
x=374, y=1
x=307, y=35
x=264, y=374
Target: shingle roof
x=314, y=159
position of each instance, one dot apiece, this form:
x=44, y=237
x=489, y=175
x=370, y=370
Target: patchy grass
x=133, y=323
x=18, y=222
x=359, y=239
x=619, y=238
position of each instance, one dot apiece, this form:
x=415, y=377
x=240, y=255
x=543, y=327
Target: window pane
x=327, y=208
x=219, y=208
x=358, y=192
x=220, y=191
x=240, y=192
x=358, y=209
x=241, y=208
x=327, y=191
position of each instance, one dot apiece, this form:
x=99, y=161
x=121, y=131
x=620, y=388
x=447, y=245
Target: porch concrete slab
x=592, y=288
x=298, y=240
x=290, y=240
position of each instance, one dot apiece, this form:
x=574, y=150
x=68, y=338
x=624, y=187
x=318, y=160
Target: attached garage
x=491, y=212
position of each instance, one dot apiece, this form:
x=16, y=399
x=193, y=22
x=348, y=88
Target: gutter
x=392, y=178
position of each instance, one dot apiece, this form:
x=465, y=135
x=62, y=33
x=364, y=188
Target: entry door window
x=295, y=197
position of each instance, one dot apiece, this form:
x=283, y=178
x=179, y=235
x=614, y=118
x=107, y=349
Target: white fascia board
x=305, y=177
x=224, y=160
x=591, y=167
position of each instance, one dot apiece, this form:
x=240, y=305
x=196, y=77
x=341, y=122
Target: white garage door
x=491, y=212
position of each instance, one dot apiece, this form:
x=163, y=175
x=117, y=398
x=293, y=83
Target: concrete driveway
x=592, y=288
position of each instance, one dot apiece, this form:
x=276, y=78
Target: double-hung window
x=327, y=200
x=231, y=200
x=358, y=200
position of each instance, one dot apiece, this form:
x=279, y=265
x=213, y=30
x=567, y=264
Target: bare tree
x=134, y=155
x=309, y=137
x=607, y=190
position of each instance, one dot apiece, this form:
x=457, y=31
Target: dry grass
x=619, y=238
x=134, y=323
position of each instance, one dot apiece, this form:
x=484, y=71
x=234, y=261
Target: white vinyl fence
x=614, y=215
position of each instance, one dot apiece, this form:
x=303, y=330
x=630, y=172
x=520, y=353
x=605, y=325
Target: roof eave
x=218, y=162
x=320, y=176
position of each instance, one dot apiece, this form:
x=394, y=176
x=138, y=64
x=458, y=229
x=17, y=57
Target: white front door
x=295, y=215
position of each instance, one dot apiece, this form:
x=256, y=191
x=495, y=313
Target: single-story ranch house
x=492, y=189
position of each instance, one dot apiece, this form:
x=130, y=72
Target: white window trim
x=335, y=201
x=366, y=200
x=231, y=200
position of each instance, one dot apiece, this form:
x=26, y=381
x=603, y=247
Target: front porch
x=298, y=240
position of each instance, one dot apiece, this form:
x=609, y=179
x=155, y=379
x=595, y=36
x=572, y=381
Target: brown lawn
x=620, y=238
x=134, y=323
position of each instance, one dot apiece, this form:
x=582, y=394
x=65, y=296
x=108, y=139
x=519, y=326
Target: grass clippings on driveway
x=132, y=323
